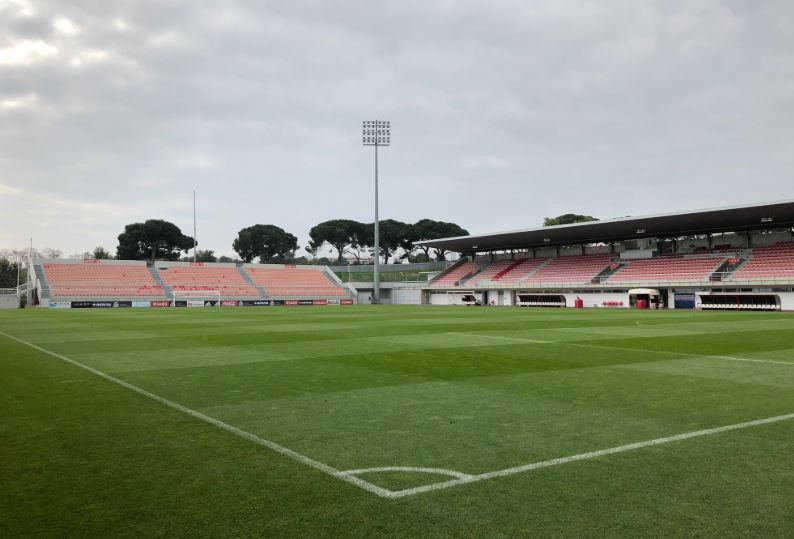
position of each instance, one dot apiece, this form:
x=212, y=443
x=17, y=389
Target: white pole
x=194, y=225
x=28, y=292
x=376, y=273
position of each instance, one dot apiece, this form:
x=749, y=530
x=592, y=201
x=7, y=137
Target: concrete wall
x=9, y=301
x=406, y=296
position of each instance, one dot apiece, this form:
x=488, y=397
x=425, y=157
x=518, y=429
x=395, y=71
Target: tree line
x=157, y=239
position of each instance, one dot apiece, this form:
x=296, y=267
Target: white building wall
x=786, y=300
x=439, y=298
x=406, y=296
x=597, y=299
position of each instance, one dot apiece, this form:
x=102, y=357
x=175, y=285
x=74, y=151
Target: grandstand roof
x=779, y=214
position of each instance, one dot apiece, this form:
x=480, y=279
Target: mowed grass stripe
x=481, y=408
x=303, y=459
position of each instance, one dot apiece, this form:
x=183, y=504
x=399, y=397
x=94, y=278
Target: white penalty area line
x=317, y=465
x=624, y=349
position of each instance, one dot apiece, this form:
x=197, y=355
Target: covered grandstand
x=739, y=257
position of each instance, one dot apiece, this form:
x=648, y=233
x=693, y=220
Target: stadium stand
x=490, y=271
x=676, y=268
x=228, y=281
x=506, y=271
x=774, y=261
x=296, y=282
x=99, y=280
x=455, y=274
x=571, y=269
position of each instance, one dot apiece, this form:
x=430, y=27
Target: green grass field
x=472, y=422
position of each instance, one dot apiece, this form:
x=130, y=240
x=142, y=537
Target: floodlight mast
x=376, y=133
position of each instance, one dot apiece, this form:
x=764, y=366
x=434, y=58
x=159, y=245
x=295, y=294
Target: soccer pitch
x=396, y=421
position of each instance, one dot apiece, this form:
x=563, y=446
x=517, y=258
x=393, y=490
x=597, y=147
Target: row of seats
x=669, y=268
x=774, y=261
x=571, y=269
x=490, y=271
x=506, y=271
x=766, y=262
x=110, y=281
x=228, y=281
x=283, y=282
x=452, y=276
x=96, y=280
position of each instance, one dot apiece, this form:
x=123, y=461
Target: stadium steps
x=45, y=292
x=718, y=273
x=462, y=260
x=473, y=277
x=723, y=270
x=536, y=269
x=607, y=272
x=334, y=279
x=167, y=290
x=508, y=269
x=259, y=288
x=732, y=270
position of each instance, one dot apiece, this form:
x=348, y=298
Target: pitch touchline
x=317, y=465
x=596, y=346
x=587, y=456
x=349, y=476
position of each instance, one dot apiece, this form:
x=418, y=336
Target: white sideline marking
x=439, y=471
x=461, y=478
x=588, y=456
x=317, y=465
x=623, y=349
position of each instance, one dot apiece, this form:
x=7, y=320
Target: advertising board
x=100, y=304
x=256, y=303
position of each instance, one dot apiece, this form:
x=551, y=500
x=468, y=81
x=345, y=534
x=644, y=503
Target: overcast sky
x=502, y=112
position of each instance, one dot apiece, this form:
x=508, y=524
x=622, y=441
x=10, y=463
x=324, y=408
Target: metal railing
x=17, y=291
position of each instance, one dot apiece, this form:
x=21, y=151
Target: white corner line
x=460, y=477
x=624, y=349
x=587, y=456
x=303, y=459
x=436, y=471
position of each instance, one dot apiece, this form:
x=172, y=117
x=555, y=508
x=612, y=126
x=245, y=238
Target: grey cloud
x=503, y=112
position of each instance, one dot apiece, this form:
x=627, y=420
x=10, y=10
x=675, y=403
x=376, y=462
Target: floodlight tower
x=376, y=133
